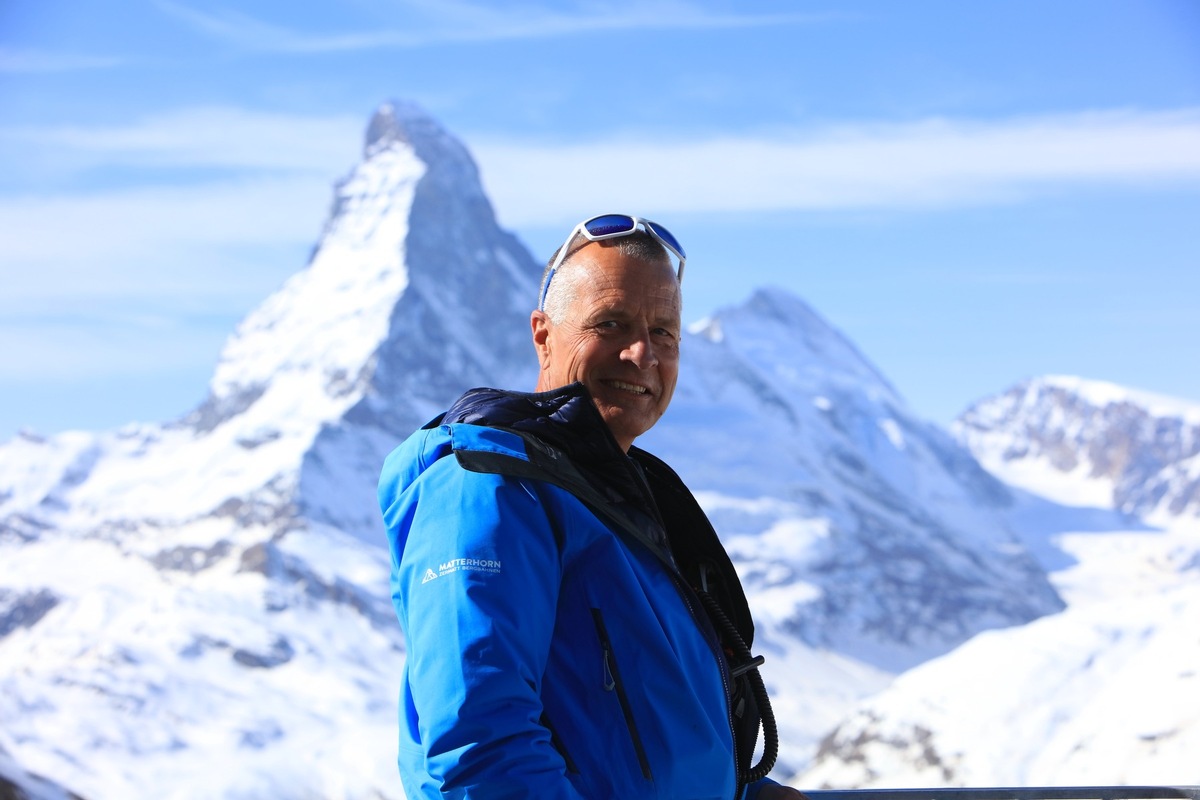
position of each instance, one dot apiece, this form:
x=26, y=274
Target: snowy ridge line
x=1086, y=442
x=1102, y=393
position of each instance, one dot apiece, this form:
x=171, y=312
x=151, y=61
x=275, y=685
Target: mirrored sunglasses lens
x=665, y=235
x=609, y=224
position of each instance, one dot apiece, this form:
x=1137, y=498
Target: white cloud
x=935, y=163
x=160, y=223
x=425, y=23
x=27, y=60
x=181, y=198
x=58, y=350
x=142, y=239
x=204, y=137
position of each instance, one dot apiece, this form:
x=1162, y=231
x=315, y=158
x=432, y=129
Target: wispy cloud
x=13, y=60
x=202, y=137
x=425, y=23
x=84, y=347
x=935, y=163
x=95, y=238
x=144, y=279
x=174, y=206
x=272, y=185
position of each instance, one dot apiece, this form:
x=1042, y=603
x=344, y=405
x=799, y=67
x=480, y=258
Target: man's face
x=619, y=337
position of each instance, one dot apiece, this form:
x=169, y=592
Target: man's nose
x=640, y=351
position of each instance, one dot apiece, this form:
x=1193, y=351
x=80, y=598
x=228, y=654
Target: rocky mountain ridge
x=1143, y=451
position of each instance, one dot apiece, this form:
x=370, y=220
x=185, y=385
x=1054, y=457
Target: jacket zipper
x=557, y=743
x=700, y=618
x=707, y=630
x=688, y=596
x=612, y=682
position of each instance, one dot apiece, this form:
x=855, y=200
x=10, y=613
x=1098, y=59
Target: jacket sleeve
x=476, y=574
x=753, y=789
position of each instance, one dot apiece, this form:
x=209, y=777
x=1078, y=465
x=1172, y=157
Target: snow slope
x=1105, y=692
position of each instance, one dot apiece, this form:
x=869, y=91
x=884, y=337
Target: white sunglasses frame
x=638, y=222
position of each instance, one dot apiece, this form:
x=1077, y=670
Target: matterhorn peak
x=412, y=295
x=403, y=123
x=410, y=226
x=399, y=121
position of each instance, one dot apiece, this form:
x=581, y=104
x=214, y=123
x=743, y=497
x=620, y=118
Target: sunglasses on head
x=612, y=226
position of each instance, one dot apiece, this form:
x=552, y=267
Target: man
x=574, y=627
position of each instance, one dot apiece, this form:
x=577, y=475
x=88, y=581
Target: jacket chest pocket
x=612, y=683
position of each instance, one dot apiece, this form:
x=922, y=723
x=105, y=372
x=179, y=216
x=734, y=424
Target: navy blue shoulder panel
x=546, y=464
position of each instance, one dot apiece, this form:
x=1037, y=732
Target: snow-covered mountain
x=889, y=525
x=1106, y=692
x=868, y=540
x=1132, y=451
x=200, y=608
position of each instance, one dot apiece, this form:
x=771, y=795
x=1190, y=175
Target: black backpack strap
x=551, y=466
x=707, y=567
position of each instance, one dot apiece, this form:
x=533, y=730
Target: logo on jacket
x=462, y=565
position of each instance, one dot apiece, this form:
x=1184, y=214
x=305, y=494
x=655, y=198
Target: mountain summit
x=413, y=291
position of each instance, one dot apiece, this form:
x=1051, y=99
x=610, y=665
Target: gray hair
x=564, y=287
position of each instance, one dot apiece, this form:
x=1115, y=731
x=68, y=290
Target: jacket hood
x=565, y=418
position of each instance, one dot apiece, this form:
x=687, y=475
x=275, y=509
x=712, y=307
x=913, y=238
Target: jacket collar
x=564, y=418
x=567, y=420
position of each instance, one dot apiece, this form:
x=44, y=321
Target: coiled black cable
x=742, y=653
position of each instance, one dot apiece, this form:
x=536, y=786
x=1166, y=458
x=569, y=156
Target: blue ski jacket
x=554, y=648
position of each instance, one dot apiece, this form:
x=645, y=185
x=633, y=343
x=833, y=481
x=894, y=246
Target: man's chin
x=625, y=423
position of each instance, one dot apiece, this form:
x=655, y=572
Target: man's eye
x=607, y=324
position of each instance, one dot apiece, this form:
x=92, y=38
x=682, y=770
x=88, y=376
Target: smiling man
x=611, y=321
x=574, y=627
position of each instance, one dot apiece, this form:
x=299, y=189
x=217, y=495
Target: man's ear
x=539, y=325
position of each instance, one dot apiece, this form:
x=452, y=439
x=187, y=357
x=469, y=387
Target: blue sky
x=975, y=193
